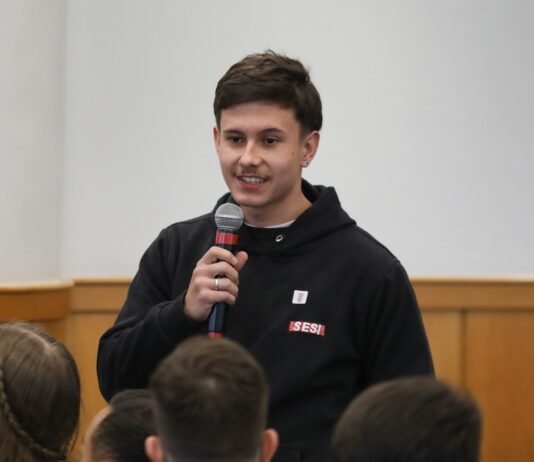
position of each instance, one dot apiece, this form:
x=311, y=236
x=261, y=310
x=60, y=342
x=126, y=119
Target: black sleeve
x=150, y=324
x=396, y=342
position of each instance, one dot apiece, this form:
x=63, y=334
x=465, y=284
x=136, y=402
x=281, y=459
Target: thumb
x=242, y=258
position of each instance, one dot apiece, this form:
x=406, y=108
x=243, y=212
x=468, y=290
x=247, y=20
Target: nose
x=250, y=155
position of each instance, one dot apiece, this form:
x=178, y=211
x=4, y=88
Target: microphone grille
x=229, y=217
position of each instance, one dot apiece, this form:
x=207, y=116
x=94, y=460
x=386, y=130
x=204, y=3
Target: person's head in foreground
x=210, y=400
x=118, y=432
x=39, y=395
x=418, y=419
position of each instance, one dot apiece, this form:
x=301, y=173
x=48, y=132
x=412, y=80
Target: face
x=87, y=450
x=261, y=151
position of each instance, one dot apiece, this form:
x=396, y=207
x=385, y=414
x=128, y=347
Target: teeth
x=252, y=179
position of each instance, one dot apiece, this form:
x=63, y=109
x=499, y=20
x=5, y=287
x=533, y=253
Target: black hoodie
x=325, y=308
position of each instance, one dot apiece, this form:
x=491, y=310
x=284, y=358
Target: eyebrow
x=265, y=131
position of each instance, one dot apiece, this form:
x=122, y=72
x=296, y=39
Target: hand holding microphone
x=228, y=218
x=215, y=279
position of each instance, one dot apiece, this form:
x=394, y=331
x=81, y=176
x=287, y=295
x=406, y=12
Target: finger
x=209, y=290
x=242, y=258
x=215, y=254
x=219, y=297
x=225, y=285
x=224, y=270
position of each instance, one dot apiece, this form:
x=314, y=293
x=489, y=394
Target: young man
x=210, y=401
x=324, y=307
x=416, y=419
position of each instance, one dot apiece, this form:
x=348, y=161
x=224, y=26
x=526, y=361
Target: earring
x=305, y=163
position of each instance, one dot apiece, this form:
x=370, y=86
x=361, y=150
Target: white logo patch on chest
x=300, y=297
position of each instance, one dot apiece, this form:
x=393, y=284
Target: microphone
x=228, y=219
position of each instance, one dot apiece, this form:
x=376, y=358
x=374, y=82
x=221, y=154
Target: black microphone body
x=228, y=218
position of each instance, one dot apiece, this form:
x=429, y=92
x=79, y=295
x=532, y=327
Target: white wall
x=32, y=35
x=428, y=135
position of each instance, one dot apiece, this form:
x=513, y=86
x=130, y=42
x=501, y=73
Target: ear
x=216, y=138
x=270, y=444
x=154, y=449
x=309, y=147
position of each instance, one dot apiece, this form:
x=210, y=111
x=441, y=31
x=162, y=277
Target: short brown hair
x=121, y=435
x=417, y=419
x=271, y=77
x=210, y=401
x=39, y=395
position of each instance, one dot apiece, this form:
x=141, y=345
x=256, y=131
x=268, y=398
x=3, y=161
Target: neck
x=261, y=218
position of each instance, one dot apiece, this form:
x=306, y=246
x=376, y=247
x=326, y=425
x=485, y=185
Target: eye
x=234, y=139
x=270, y=140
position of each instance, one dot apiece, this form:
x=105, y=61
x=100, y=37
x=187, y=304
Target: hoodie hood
x=323, y=218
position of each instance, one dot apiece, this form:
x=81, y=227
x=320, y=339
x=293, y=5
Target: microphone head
x=229, y=217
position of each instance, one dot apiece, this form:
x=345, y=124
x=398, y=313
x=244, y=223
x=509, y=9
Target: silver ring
x=216, y=283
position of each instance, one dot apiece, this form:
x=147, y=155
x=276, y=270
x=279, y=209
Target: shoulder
x=369, y=242
x=363, y=246
x=191, y=225
x=375, y=264
x=182, y=233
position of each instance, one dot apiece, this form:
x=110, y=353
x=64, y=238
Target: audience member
x=118, y=432
x=417, y=419
x=210, y=405
x=39, y=395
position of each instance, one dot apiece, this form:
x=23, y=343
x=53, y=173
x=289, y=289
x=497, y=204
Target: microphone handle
x=231, y=247
x=217, y=320
x=219, y=312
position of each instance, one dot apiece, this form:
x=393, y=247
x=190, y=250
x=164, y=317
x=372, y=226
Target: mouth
x=251, y=179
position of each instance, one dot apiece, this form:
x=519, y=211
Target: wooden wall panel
x=445, y=330
x=475, y=293
x=45, y=304
x=481, y=332
x=84, y=331
x=57, y=328
x=95, y=304
x=500, y=374
x=99, y=294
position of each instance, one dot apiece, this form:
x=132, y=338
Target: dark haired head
x=210, y=390
x=415, y=419
x=271, y=77
x=120, y=435
x=39, y=395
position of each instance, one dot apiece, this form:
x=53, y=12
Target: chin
x=245, y=201
x=243, y=197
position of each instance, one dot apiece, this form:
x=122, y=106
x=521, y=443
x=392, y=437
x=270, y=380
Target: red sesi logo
x=307, y=327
